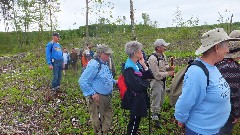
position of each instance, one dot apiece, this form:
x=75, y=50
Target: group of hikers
x=208, y=105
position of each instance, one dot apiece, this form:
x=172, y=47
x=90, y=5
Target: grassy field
x=27, y=108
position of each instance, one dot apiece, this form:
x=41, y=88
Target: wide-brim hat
x=160, y=42
x=213, y=37
x=234, y=46
x=234, y=49
x=104, y=49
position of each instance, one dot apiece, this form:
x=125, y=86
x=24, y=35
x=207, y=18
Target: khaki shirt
x=159, y=72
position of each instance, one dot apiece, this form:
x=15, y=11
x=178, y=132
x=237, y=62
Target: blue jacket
x=203, y=110
x=53, y=51
x=93, y=81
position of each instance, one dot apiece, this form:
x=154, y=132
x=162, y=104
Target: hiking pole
x=149, y=113
x=99, y=117
x=172, y=64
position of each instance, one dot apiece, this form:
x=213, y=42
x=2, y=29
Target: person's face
x=138, y=54
x=64, y=50
x=162, y=49
x=105, y=57
x=56, y=38
x=222, y=49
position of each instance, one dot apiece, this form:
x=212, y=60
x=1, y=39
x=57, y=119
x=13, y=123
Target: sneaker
x=155, y=117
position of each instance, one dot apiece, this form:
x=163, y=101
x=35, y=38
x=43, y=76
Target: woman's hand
x=142, y=62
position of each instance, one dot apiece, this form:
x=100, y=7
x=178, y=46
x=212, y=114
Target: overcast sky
x=72, y=13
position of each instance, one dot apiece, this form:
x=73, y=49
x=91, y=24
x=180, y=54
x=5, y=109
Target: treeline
x=107, y=33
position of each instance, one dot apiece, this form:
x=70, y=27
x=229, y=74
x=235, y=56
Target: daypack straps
x=158, y=58
x=203, y=67
x=177, y=82
x=99, y=63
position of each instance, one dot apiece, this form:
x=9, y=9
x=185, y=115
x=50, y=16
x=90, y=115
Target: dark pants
x=188, y=131
x=133, y=125
x=57, y=74
x=228, y=127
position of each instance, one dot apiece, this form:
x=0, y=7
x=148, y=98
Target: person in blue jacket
x=201, y=108
x=96, y=83
x=54, y=58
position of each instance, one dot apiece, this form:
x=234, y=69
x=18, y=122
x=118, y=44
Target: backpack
x=177, y=82
x=158, y=59
x=121, y=85
x=121, y=82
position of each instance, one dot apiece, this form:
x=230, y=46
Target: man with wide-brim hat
x=204, y=105
x=230, y=70
x=96, y=83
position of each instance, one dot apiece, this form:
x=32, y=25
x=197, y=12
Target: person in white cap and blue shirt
x=160, y=68
x=201, y=108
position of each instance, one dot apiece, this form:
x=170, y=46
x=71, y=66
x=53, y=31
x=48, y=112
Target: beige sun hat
x=211, y=38
x=234, y=46
x=104, y=49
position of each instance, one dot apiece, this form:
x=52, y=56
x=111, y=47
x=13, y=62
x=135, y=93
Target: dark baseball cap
x=56, y=34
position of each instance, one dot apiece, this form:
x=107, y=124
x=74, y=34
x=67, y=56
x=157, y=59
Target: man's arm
x=48, y=55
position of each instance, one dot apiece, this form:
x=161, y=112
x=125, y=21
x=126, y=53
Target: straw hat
x=211, y=38
x=234, y=46
x=104, y=49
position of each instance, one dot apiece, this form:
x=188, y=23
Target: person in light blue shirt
x=54, y=58
x=96, y=83
x=201, y=108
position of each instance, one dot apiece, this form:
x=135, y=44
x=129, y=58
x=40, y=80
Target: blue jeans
x=228, y=127
x=188, y=131
x=57, y=74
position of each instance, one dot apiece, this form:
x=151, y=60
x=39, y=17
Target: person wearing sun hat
x=201, y=108
x=230, y=70
x=96, y=83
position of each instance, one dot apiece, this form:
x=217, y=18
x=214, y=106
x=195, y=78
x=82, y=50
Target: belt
x=105, y=95
x=58, y=60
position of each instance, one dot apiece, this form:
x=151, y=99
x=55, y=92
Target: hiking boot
x=155, y=117
x=156, y=120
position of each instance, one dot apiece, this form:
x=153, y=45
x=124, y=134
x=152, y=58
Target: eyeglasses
x=108, y=54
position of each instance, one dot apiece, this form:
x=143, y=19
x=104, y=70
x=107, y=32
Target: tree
x=134, y=37
x=146, y=20
x=6, y=11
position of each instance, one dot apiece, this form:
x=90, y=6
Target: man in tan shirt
x=160, y=69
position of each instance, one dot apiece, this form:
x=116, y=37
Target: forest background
x=25, y=78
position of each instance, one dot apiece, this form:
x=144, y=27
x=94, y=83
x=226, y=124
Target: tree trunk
x=132, y=20
x=87, y=32
x=50, y=17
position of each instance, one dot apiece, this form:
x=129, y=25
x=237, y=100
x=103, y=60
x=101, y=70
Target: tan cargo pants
x=158, y=96
x=100, y=114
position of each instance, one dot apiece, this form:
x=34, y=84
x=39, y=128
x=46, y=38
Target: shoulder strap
x=155, y=55
x=100, y=64
x=203, y=67
x=51, y=46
